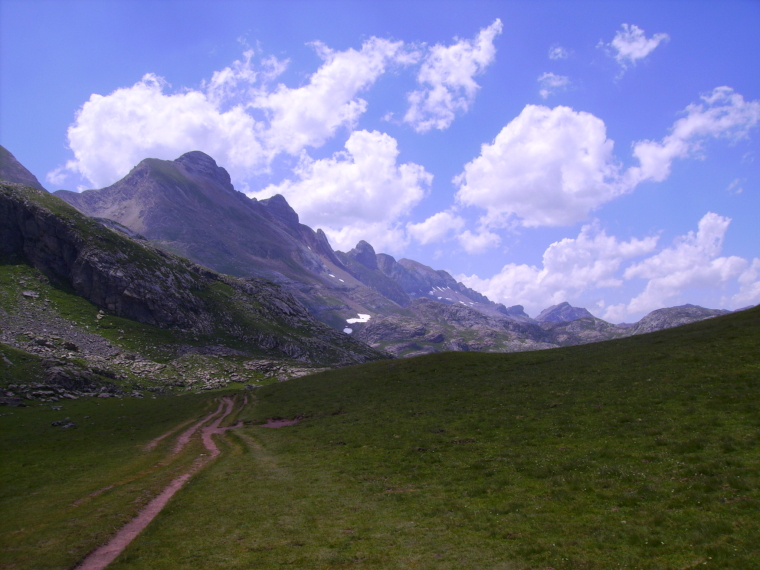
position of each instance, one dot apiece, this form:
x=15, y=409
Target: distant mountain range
x=189, y=207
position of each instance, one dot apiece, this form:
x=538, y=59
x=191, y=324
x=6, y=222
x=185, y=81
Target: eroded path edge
x=102, y=556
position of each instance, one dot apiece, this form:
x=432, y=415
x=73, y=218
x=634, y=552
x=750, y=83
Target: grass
x=639, y=453
x=48, y=475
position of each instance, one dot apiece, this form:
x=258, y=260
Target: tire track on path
x=102, y=556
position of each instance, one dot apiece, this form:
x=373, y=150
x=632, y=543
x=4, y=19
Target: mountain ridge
x=181, y=205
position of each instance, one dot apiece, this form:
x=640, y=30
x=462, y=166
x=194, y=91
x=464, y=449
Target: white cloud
x=360, y=193
x=447, y=78
x=749, y=286
x=550, y=83
x=570, y=267
x=692, y=262
x=736, y=186
x=552, y=167
x=548, y=167
x=309, y=115
x=630, y=44
x=435, y=228
x=558, y=52
x=478, y=242
x=722, y=114
x=112, y=133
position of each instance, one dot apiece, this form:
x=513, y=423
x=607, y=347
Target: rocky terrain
x=12, y=170
x=562, y=313
x=189, y=206
x=92, y=311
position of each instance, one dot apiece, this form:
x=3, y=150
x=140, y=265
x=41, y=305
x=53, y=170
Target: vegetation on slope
x=130, y=279
x=636, y=453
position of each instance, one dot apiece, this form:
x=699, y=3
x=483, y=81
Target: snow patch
x=348, y=330
x=362, y=319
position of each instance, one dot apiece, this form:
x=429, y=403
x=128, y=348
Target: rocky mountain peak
x=364, y=253
x=562, y=313
x=278, y=208
x=516, y=312
x=199, y=163
x=13, y=171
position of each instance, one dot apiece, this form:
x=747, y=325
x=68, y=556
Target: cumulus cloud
x=692, y=262
x=359, y=193
x=551, y=83
x=112, y=133
x=553, y=167
x=436, y=228
x=570, y=267
x=723, y=113
x=749, y=286
x=307, y=116
x=447, y=76
x=478, y=242
x=558, y=52
x=630, y=44
x=236, y=117
x=548, y=167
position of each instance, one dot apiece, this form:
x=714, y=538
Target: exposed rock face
x=515, y=312
x=361, y=263
x=673, y=317
x=364, y=254
x=430, y=326
x=189, y=206
x=562, y=313
x=12, y=170
x=140, y=282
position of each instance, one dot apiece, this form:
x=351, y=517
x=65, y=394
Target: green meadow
x=639, y=453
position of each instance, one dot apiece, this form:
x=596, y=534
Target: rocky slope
x=131, y=279
x=430, y=326
x=189, y=206
x=12, y=170
x=673, y=317
x=562, y=313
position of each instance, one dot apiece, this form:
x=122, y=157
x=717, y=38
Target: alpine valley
x=173, y=251
x=146, y=329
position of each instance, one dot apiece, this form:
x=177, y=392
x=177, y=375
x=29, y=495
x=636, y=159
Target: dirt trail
x=154, y=442
x=104, y=555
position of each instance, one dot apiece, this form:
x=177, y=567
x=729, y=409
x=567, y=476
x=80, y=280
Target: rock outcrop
x=673, y=317
x=562, y=312
x=11, y=170
x=135, y=280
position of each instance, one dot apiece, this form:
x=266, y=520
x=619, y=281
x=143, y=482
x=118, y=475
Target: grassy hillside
x=636, y=453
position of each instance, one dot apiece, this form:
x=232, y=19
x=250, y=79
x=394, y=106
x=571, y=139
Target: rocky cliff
x=135, y=280
x=189, y=206
x=11, y=170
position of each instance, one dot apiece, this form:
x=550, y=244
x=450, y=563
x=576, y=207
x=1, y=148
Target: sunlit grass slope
x=637, y=453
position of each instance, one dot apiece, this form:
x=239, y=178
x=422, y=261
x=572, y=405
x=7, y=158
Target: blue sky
x=603, y=153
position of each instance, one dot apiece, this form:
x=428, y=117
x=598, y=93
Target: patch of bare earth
x=104, y=555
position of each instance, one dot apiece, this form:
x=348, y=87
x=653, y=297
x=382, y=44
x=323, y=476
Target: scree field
x=641, y=453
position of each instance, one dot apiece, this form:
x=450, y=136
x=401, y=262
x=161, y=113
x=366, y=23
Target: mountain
x=12, y=170
x=135, y=280
x=562, y=313
x=431, y=326
x=188, y=206
x=673, y=317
